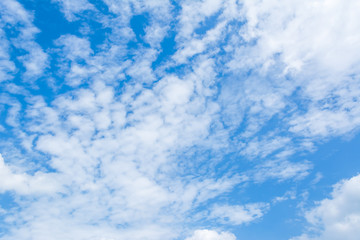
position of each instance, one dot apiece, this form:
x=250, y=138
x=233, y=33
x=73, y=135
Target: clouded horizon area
x=179, y=120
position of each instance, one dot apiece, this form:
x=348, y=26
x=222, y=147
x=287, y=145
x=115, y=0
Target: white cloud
x=334, y=114
x=22, y=183
x=116, y=159
x=281, y=170
x=286, y=196
x=193, y=13
x=337, y=217
x=141, y=67
x=158, y=21
x=197, y=15
x=238, y=214
x=264, y=147
x=123, y=149
x=211, y=235
x=304, y=78
x=74, y=48
x=6, y=66
x=280, y=29
x=72, y=8
x=13, y=12
x=35, y=60
x=319, y=57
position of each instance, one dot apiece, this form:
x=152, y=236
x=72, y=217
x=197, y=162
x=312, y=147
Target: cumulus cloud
x=336, y=217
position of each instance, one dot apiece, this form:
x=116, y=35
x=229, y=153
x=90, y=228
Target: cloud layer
x=148, y=119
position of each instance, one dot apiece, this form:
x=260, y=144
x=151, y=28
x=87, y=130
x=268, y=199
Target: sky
x=179, y=120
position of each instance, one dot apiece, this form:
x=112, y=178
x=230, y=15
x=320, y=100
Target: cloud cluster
x=120, y=144
x=298, y=39
x=337, y=217
x=34, y=60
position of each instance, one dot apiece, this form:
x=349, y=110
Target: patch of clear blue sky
x=207, y=24
x=52, y=23
x=7, y=203
x=168, y=48
x=138, y=24
x=326, y=160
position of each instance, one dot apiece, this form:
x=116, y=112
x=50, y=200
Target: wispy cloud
x=238, y=214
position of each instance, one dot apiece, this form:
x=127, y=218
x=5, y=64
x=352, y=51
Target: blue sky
x=179, y=120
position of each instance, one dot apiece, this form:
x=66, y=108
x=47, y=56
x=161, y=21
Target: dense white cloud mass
x=145, y=119
x=26, y=184
x=313, y=41
x=337, y=217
